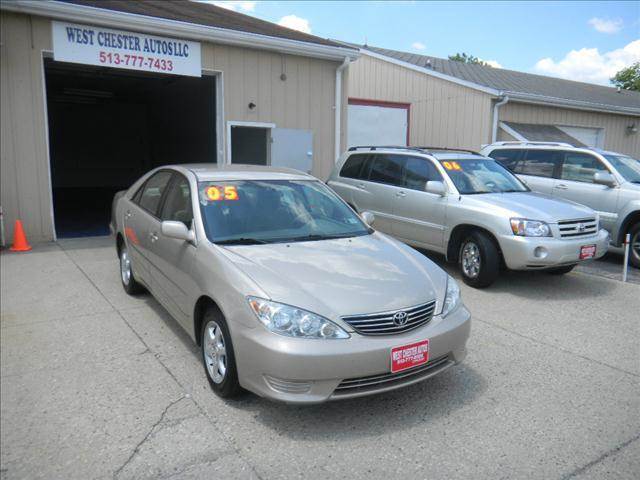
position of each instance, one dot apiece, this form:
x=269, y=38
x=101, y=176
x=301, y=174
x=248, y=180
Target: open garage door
x=372, y=122
x=108, y=126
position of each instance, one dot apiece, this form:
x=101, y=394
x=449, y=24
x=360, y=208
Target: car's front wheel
x=479, y=260
x=218, y=356
x=129, y=283
x=634, y=250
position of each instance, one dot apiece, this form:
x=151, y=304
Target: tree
x=464, y=58
x=628, y=78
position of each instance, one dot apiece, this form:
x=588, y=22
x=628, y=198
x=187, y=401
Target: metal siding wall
x=24, y=161
x=304, y=101
x=616, y=137
x=442, y=113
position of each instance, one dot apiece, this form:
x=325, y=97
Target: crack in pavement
x=557, y=347
x=146, y=437
x=601, y=458
x=169, y=372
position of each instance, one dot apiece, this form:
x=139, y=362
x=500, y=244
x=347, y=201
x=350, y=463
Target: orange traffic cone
x=20, y=243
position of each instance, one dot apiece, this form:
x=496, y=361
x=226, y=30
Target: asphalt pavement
x=97, y=384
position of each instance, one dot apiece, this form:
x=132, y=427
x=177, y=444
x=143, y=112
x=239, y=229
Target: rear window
x=507, y=157
x=540, y=163
x=352, y=168
x=153, y=190
x=387, y=169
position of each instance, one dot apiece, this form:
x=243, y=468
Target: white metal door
x=377, y=125
x=292, y=148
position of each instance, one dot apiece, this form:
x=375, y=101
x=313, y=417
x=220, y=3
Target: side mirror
x=435, y=187
x=177, y=230
x=604, y=178
x=368, y=218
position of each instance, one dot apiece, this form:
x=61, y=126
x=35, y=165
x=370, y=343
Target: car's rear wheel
x=560, y=270
x=634, y=248
x=129, y=283
x=218, y=356
x=479, y=260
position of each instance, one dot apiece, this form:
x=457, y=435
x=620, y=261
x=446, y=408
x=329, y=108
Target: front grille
x=578, y=228
x=383, y=324
x=376, y=382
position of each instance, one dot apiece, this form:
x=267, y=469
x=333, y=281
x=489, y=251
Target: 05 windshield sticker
x=452, y=166
x=218, y=193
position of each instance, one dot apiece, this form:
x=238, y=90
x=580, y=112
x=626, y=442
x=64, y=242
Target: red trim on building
x=384, y=103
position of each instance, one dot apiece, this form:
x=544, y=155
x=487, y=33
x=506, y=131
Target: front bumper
x=297, y=370
x=531, y=253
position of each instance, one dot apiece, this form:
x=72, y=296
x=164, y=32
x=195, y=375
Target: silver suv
x=608, y=182
x=469, y=208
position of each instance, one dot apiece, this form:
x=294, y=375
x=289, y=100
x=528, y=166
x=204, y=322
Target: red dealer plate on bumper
x=408, y=356
x=587, y=251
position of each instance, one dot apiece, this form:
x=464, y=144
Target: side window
x=152, y=191
x=387, y=169
x=580, y=167
x=507, y=157
x=352, y=168
x=177, y=206
x=540, y=163
x=418, y=171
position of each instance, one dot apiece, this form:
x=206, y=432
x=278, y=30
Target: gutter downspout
x=338, y=107
x=496, y=108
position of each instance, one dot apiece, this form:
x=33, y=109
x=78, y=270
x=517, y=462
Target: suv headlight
x=530, y=228
x=452, y=297
x=294, y=322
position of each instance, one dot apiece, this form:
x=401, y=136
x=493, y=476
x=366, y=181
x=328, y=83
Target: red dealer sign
x=120, y=49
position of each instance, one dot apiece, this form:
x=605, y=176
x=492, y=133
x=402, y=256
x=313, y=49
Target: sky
x=585, y=41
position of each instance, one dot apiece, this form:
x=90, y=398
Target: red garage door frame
x=384, y=103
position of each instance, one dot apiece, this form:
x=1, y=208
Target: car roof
x=547, y=146
x=212, y=172
x=439, y=153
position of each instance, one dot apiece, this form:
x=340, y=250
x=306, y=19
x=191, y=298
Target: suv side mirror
x=177, y=230
x=604, y=178
x=436, y=187
x=368, y=218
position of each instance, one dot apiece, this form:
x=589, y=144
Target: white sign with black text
x=120, y=49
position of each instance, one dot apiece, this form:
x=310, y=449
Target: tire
x=561, y=270
x=479, y=260
x=634, y=250
x=222, y=373
x=129, y=283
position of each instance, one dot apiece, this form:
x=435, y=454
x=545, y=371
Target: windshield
x=628, y=167
x=266, y=211
x=481, y=176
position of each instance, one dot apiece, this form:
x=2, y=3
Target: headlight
x=294, y=322
x=530, y=228
x=452, y=297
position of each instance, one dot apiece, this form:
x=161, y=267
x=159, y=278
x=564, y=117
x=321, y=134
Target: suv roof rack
x=374, y=147
x=447, y=149
x=554, y=144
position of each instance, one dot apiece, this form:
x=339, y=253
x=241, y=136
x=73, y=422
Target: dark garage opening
x=107, y=127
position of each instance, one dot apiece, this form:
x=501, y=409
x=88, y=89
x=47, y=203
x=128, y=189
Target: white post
x=627, y=241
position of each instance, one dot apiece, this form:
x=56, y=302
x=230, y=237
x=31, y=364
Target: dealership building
x=96, y=93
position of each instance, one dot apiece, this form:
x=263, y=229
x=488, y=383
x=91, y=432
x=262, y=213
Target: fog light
x=287, y=386
x=540, y=252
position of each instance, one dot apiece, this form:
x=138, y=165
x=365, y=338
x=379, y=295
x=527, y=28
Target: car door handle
x=153, y=236
x=128, y=214
x=401, y=194
x=562, y=186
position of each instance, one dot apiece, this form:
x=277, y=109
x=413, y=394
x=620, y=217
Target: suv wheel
x=129, y=283
x=479, y=260
x=634, y=251
x=217, y=355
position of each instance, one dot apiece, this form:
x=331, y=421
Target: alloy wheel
x=215, y=352
x=125, y=266
x=470, y=260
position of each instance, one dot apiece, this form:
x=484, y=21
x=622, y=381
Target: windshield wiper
x=317, y=236
x=241, y=241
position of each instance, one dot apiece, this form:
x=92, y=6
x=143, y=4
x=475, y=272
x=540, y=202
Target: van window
x=387, y=169
x=540, y=163
x=418, y=171
x=507, y=157
x=352, y=168
x=580, y=167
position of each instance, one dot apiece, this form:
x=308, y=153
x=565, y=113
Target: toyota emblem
x=581, y=227
x=400, y=318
